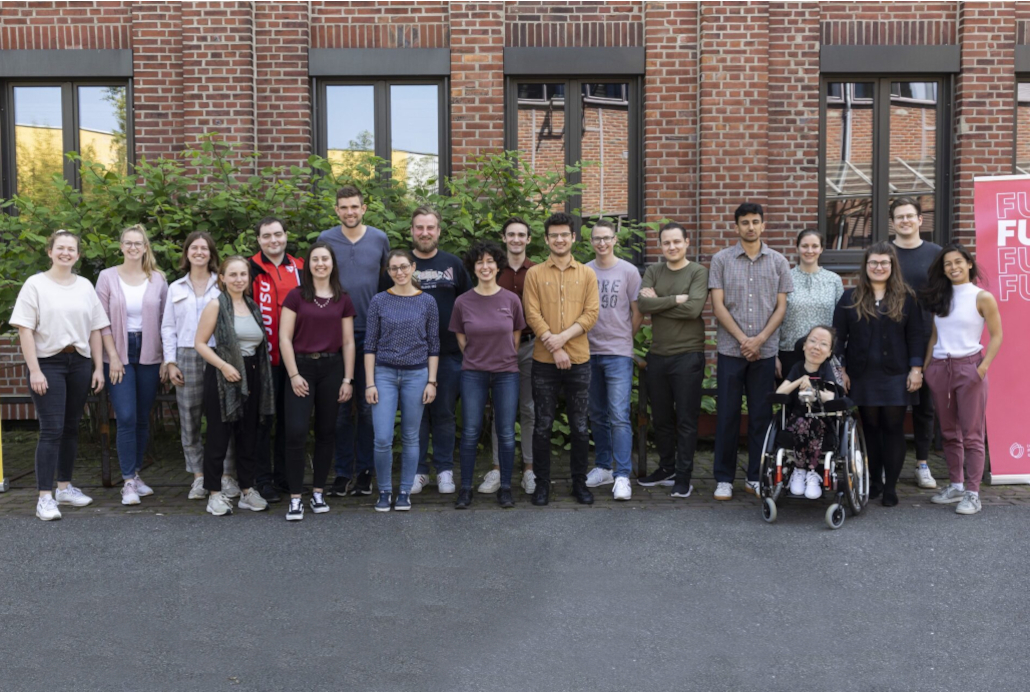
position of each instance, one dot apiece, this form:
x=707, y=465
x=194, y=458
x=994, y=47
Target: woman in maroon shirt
x=319, y=360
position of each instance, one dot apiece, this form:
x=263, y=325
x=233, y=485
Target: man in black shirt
x=443, y=276
x=916, y=255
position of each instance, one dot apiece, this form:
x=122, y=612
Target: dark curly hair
x=480, y=249
x=559, y=218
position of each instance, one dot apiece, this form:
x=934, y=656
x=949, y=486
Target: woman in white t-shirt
x=133, y=295
x=59, y=319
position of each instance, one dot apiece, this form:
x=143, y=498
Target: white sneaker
x=219, y=505
x=949, y=495
x=923, y=477
x=970, y=504
x=251, y=499
x=445, y=482
x=599, y=476
x=129, y=494
x=797, y=481
x=46, y=508
x=813, y=485
x=421, y=481
x=197, y=491
x=723, y=491
x=72, y=496
x=142, y=489
x=529, y=482
x=491, y=483
x=230, y=488
x=752, y=487
x=622, y=490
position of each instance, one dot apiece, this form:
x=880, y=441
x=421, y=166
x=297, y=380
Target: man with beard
x=443, y=276
x=360, y=257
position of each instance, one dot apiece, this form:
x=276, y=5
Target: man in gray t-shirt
x=360, y=252
x=611, y=362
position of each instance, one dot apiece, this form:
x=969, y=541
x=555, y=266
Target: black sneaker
x=296, y=510
x=660, y=476
x=464, y=499
x=362, y=484
x=339, y=487
x=318, y=505
x=269, y=493
x=682, y=489
x=504, y=498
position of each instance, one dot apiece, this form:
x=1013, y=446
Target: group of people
x=356, y=332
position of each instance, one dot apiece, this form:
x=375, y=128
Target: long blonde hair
x=148, y=261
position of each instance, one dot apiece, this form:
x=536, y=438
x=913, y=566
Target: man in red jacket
x=275, y=274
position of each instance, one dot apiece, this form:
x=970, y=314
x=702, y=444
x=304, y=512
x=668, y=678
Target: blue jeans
x=346, y=458
x=131, y=399
x=440, y=417
x=611, y=383
x=403, y=389
x=476, y=388
x=735, y=377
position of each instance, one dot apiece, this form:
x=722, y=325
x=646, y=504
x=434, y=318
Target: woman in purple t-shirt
x=316, y=342
x=488, y=322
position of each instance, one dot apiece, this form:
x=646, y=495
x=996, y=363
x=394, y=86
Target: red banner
x=1002, y=206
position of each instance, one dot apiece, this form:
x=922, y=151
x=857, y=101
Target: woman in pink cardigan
x=133, y=296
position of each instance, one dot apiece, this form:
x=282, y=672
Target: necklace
x=322, y=305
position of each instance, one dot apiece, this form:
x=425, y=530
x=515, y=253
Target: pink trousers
x=960, y=397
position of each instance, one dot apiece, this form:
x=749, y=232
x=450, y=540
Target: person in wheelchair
x=810, y=383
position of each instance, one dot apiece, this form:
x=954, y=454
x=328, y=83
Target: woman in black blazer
x=881, y=342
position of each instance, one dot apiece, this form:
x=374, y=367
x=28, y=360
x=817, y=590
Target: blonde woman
x=133, y=296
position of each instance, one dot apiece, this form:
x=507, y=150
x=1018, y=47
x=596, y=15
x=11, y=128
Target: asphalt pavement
x=910, y=598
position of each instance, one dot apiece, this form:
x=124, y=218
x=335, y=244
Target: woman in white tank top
x=956, y=369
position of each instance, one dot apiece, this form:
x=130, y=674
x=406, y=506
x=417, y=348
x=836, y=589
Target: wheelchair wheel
x=835, y=516
x=769, y=510
x=855, y=478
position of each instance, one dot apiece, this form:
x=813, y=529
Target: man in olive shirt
x=674, y=293
x=562, y=304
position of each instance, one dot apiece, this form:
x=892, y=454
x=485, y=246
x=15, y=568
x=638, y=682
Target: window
x=882, y=138
x=403, y=122
x=1023, y=128
x=606, y=138
x=47, y=120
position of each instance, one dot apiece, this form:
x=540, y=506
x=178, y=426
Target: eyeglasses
x=885, y=264
x=400, y=269
x=132, y=243
x=560, y=236
x=603, y=240
x=907, y=217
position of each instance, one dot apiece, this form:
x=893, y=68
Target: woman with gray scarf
x=237, y=385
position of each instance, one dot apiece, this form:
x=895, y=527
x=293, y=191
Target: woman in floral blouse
x=811, y=303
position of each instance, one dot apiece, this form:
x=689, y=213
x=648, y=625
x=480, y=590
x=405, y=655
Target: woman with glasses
x=488, y=322
x=402, y=352
x=133, y=295
x=880, y=339
x=816, y=293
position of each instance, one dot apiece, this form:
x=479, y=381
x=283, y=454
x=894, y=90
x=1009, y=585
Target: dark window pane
x=38, y=141
x=350, y=126
x=541, y=132
x=913, y=147
x=1023, y=130
x=540, y=92
x=849, y=168
x=415, y=133
x=605, y=150
x=862, y=90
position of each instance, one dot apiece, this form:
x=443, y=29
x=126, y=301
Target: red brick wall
x=283, y=87
x=477, y=80
x=379, y=25
x=896, y=24
x=574, y=24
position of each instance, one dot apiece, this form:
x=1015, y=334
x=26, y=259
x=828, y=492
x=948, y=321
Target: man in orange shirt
x=561, y=304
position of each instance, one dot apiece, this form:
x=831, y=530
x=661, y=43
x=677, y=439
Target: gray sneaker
x=970, y=504
x=251, y=499
x=948, y=496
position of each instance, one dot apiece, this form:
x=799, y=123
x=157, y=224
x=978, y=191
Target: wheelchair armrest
x=835, y=405
x=775, y=398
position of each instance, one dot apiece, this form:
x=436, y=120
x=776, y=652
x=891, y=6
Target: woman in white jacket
x=187, y=298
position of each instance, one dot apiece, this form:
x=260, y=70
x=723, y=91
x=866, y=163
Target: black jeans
x=68, y=377
x=674, y=388
x=884, y=428
x=266, y=473
x=244, y=431
x=735, y=376
x=922, y=422
x=324, y=376
x=548, y=383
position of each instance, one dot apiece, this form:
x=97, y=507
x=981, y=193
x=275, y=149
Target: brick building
x=822, y=112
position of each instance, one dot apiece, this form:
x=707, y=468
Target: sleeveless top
x=249, y=334
x=958, y=334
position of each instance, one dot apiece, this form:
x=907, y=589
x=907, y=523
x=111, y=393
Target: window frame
x=573, y=145
x=382, y=114
x=849, y=259
x=69, y=126
x=1021, y=78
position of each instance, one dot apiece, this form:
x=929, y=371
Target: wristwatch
x=348, y=380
